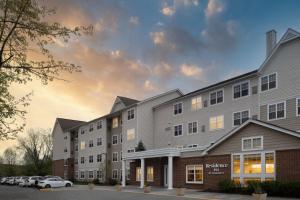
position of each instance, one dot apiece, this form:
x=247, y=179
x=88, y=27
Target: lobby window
x=240, y=117
x=99, y=158
x=252, y=143
x=216, y=123
x=177, y=108
x=91, y=174
x=91, y=159
x=270, y=161
x=192, y=127
x=91, y=143
x=115, y=156
x=99, y=174
x=241, y=90
x=99, y=141
x=115, y=122
x=91, y=127
x=99, y=125
x=114, y=174
x=216, y=97
x=82, y=145
x=276, y=111
x=298, y=106
x=114, y=139
x=236, y=164
x=268, y=82
x=150, y=174
x=82, y=160
x=130, y=134
x=81, y=174
x=178, y=130
x=130, y=114
x=138, y=174
x=196, y=103
x=194, y=174
x=252, y=164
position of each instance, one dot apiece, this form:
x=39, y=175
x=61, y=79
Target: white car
x=32, y=179
x=3, y=180
x=11, y=181
x=23, y=182
x=54, y=182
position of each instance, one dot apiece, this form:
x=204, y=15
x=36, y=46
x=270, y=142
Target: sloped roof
x=127, y=101
x=257, y=122
x=68, y=123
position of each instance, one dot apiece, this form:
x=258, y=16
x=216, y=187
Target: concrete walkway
x=192, y=194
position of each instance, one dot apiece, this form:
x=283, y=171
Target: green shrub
x=229, y=186
x=96, y=181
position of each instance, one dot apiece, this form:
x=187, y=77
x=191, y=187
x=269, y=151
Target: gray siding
x=59, y=143
x=272, y=140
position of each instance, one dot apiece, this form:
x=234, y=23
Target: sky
x=140, y=48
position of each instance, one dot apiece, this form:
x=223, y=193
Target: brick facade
x=288, y=165
x=58, y=168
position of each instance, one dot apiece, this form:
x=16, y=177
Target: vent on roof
x=254, y=89
x=203, y=128
x=205, y=103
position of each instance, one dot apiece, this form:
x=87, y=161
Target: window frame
x=197, y=129
x=201, y=103
x=186, y=174
x=112, y=174
x=99, y=124
x=91, y=143
x=181, y=130
x=216, y=91
x=112, y=156
x=216, y=129
x=91, y=160
x=268, y=109
x=112, y=122
x=82, y=145
x=82, y=160
x=81, y=173
x=174, y=108
x=268, y=75
x=241, y=91
x=127, y=134
x=252, y=138
x=129, y=114
x=99, y=141
x=297, y=106
x=138, y=178
x=241, y=119
x=151, y=180
x=99, y=156
x=112, y=140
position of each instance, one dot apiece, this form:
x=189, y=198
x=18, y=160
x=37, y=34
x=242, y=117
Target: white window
x=192, y=146
x=114, y=139
x=114, y=174
x=99, y=125
x=121, y=155
x=276, y=111
x=130, y=150
x=91, y=127
x=298, y=107
x=65, y=149
x=115, y=122
x=177, y=108
x=241, y=90
x=115, y=156
x=138, y=174
x=81, y=174
x=268, y=82
x=216, y=123
x=82, y=145
x=99, y=174
x=194, y=174
x=99, y=141
x=99, y=158
x=130, y=114
x=76, y=174
x=91, y=159
x=196, y=103
x=91, y=174
x=216, y=97
x=150, y=174
x=82, y=132
x=91, y=143
x=252, y=143
x=82, y=160
x=130, y=134
x=178, y=130
x=192, y=127
x=240, y=117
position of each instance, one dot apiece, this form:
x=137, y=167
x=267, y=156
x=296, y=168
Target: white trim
x=240, y=84
x=260, y=77
x=186, y=174
x=174, y=130
x=179, y=102
x=192, y=128
x=252, y=138
x=241, y=117
x=133, y=113
x=112, y=156
x=153, y=153
x=276, y=128
x=268, y=105
x=297, y=105
x=216, y=91
x=112, y=139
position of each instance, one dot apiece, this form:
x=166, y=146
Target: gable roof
x=289, y=35
x=127, y=101
x=68, y=123
x=252, y=121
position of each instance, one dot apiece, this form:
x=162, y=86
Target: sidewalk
x=194, y=194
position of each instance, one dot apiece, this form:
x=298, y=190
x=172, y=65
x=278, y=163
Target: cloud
x=134, y=20
x=178, y=3
x=158, y=37
x=192, y=71
x=162, y=69
x=214, y=7
x=168, y=10
x=149, y=86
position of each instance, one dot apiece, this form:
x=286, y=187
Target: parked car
x=3, y=180
x=54, y=182
x=32, y=180
x=23, y=181
x=11, y=181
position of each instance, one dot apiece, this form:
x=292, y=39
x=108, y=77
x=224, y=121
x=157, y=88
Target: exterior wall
x=60, y=143
x=58, y=168
x=291, y=121
x=286, y=62
x=165, y=120
x=272, y=140
x=129, y=124
x=288, y=165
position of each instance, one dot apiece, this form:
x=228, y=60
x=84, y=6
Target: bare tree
x=10, y=156
x=24, y=29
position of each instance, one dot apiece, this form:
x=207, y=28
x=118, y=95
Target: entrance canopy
x=154, y=153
